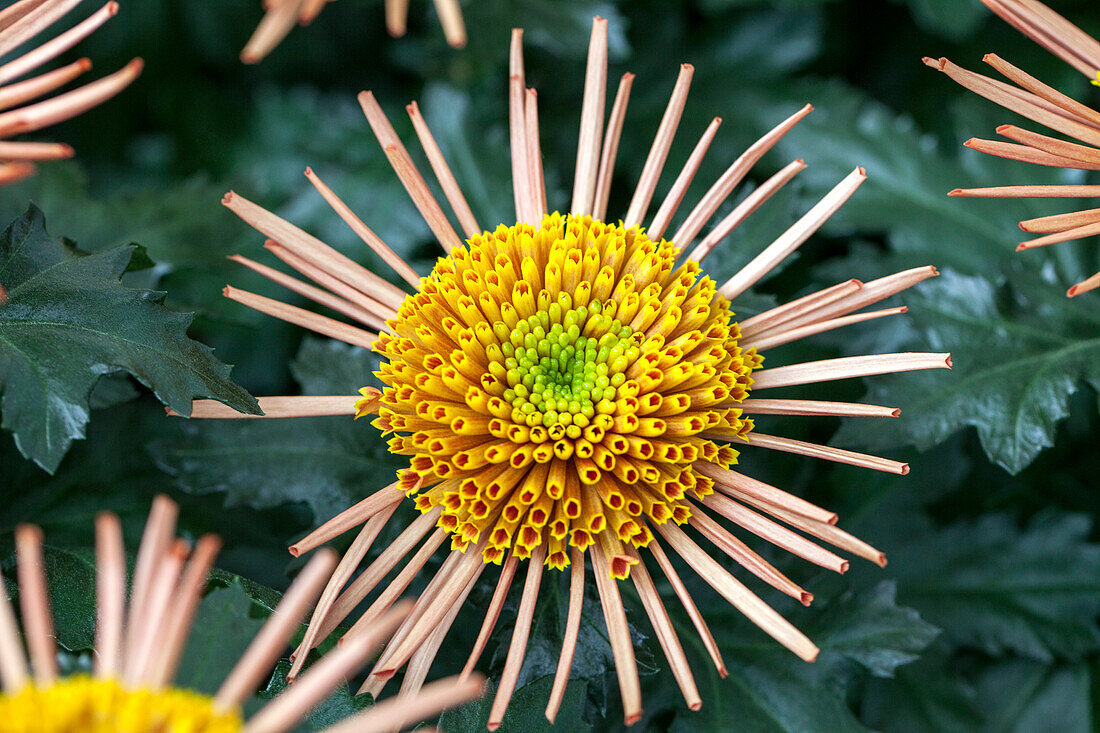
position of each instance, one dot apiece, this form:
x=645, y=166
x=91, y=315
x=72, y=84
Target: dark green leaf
x=478, y=156
x=71, y=585
x=929, y=694
x=325, y=462
x=769, y=689
x=749, y=239
x=330, y=367
x=905, y=197
x=593, y=657
x=224, y=626
x=767, y=694
x=946, y=18
x=68, y=321
x=871, y=629
x=526, y=712
x=111, y=390
x=108, y=472
x=1022, y=695
x=1016, y=365
x=182, y=227
x=104, y=473
x=339, y=705
x=720, y=5
x=991, y=585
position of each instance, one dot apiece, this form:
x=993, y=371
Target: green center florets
x=564, y=366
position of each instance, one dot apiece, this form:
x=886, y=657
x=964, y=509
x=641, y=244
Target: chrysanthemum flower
x=138, y=647
x=566, y=388
x=282, y=15
x=1046, y=106
x=19, y=23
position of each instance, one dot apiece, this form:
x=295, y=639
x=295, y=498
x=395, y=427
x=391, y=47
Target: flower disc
x=81, y=704
x=559, y=381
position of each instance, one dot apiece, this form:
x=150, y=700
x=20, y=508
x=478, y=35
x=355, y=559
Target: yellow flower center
x=559, y=378
x=80, y=704
x=557, y=384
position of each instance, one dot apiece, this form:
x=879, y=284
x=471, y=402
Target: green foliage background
x=986, y=616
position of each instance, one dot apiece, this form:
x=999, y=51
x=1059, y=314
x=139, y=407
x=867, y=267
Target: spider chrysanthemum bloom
x=1040, y=103
x=570, y=390
x=20, y=23
x=281, y=16
x=139, y=645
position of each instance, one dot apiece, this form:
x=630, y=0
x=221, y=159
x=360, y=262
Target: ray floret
x=1046, y=106
x=139, y=643
x=280, y=17
x=571, y=394
x=21, y=23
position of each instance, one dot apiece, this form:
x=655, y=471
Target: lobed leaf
x=769, y=689
x=68, y=321
x=991, y=585
x=1020, y=354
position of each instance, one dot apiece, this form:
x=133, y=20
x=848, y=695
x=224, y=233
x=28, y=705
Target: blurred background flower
x=24, y=26
x=280, y=16
x=990, y=538
x=142, y=626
